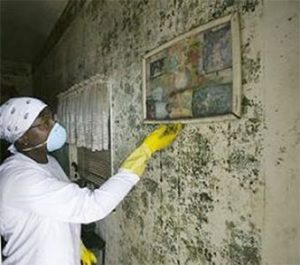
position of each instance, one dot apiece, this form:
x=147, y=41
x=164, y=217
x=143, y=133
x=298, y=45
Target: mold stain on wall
x=242, y=246
x=187, y=208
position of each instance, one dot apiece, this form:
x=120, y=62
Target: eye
x=36, y=126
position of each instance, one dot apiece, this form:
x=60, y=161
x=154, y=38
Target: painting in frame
x=196, y=76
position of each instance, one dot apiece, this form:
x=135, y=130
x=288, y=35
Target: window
x=85, y=111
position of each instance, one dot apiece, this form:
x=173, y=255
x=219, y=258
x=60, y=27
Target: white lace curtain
x=84, y=111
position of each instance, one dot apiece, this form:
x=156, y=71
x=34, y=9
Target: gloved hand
x=87, y=256
x=159, y=139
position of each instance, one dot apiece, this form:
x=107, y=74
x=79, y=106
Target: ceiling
x=25, y=26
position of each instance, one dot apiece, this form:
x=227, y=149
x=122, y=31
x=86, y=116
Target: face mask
x=56, y=139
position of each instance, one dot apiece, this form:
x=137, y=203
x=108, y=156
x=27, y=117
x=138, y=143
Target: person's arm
x=68, y=202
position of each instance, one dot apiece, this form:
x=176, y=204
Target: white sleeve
x=67, y=201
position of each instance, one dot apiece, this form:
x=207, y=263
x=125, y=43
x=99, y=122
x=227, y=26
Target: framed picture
x=195, y=77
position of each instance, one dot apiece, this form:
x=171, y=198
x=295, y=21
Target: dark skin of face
x=37, y=134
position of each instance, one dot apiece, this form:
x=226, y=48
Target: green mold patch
x=144, y=199
x=245, y=167
x=150, y=185
x=139, y=255
x=248, y=6
x=196, y=156
x=251, y=69
x=198, y=206
x=242, y=247
x=240, y=160
x=129, y=208
x=198, y=251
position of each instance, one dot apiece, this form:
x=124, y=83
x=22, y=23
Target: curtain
x=84, y=111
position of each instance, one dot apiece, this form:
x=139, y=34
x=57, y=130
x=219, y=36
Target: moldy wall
x=224, y=193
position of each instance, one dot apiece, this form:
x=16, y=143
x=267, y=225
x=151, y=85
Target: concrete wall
x=224, y=193
x=281, y=92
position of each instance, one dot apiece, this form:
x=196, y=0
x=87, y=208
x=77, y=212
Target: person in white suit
x=40, y=209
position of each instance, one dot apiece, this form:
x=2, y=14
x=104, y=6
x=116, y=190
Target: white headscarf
x=17, y=115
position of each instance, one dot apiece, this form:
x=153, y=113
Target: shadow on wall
x=7, y=91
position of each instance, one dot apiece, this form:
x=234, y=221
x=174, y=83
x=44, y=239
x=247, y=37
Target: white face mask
x=56, y=139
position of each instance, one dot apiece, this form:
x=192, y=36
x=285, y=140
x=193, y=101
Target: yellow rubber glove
x=162, y=137
x=87, y=256
x=159, y=139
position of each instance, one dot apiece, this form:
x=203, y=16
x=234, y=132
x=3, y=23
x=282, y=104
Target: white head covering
x=17, y=115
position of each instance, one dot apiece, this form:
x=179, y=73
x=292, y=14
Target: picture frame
x=195, y=77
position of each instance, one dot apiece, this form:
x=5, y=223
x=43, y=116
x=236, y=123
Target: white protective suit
x=41, y=211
